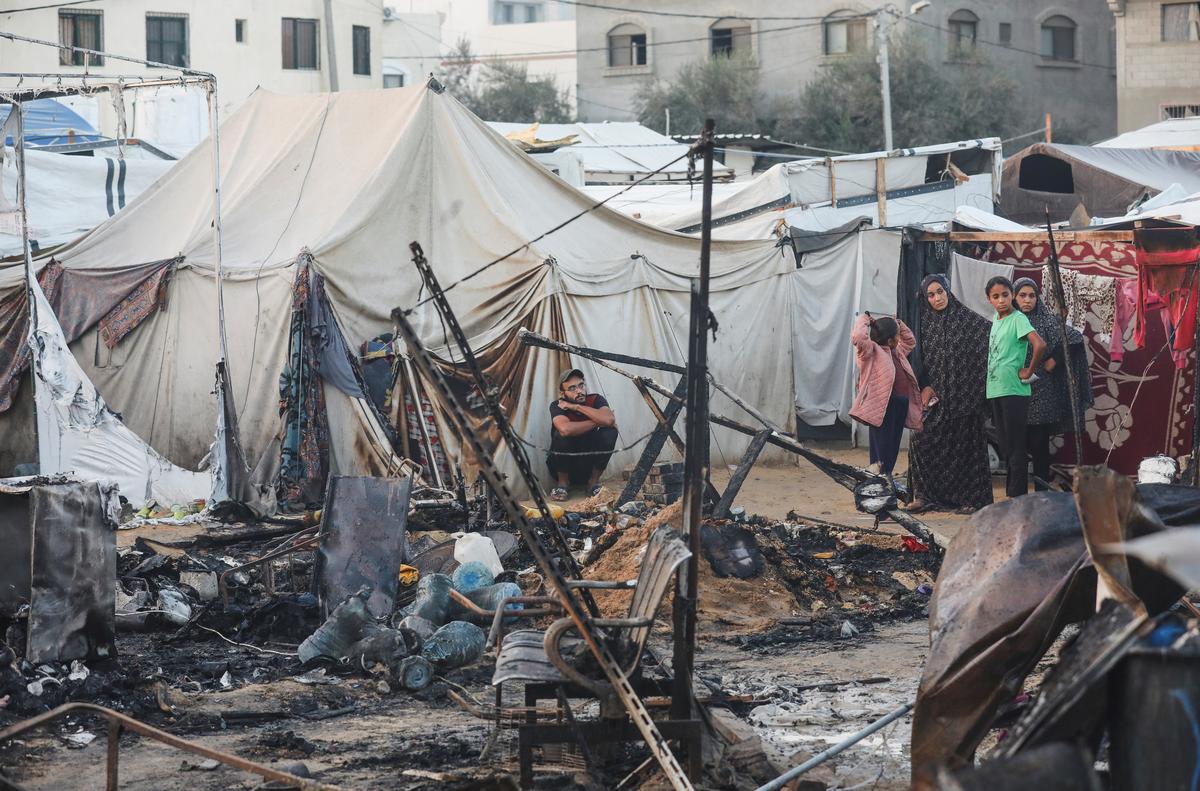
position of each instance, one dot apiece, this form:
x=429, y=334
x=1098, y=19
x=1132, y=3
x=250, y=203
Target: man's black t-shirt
x=592, y=400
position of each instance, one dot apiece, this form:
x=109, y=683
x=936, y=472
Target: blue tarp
x=47, y=123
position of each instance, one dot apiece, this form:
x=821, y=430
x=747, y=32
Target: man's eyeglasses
x=579, y=388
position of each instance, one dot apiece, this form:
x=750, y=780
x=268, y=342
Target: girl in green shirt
x=1008, y=378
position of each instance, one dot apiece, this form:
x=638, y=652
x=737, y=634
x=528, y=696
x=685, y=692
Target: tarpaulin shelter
x=49, y=122
x=1105, y=181
x=322, y=195
x=1177, y=134
x=907, y=186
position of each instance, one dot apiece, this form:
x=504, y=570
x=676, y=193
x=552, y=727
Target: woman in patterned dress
x=948, y=461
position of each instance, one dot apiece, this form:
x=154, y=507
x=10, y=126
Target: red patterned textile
x=1143, y=401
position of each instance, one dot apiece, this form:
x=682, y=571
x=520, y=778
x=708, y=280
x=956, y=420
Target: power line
x=687, y=15
x=48, y=5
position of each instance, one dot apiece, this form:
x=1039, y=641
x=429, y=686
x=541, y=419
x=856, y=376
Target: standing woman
x=948, y=460
x=1049, y=404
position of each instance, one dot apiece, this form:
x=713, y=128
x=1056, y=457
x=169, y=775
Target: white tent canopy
x=354, y=178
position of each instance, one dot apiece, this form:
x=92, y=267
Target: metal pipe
x=26, y=256
x=820, y=758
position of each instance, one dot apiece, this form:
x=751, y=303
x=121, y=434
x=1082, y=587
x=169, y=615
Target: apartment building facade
x=1158, y=61
x=1060, y=53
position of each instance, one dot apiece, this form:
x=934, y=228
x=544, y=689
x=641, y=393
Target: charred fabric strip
x=844, y=474
x=118, y=722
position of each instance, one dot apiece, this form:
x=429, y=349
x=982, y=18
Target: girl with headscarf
x=1049, y=407
x=948, y=461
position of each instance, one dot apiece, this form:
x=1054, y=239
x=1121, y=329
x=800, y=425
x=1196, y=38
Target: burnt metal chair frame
x=665, y=553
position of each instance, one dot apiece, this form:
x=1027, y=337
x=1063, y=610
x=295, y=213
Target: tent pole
x=695, y=463
x=26, y=256
x=1060, y=298
x=1195, y=460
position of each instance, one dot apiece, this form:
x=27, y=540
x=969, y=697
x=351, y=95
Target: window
x=845, y=32
x=1006, y=33
x=513, y=13
x=963, y=25
x=393, y=81
x=1058, y=38
x=239, y=31
x=729, y=36
x=1181, y=21
x=1180, y=111
x=167, y=38
x=300, y=43
x=80, y=29
x=627, y=46
x=361, y=38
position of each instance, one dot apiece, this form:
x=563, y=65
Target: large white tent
x=351, y=179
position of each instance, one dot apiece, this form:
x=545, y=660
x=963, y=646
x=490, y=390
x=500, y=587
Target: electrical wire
x=46, y=6
x=1040, y=55
x=688, y=15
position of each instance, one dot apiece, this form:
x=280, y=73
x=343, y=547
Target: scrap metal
x=580, y=609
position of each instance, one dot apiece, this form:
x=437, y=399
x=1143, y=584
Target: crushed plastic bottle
x=433, y=599
x=456, y=644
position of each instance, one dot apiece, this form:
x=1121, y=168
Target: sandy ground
x=393, y=732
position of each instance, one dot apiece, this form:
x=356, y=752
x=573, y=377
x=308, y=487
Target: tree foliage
x=725, y=89
x=843, y=109
x=502, y=91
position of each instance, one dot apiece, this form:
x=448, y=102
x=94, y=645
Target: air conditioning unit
x=389, y=14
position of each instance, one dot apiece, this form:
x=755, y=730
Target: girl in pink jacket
x=886, y=399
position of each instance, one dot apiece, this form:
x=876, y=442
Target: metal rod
x=141, y=728
x=113, y=753
x=26, y=257
x=822, y=757
x=60, y=46
x=695, y=460
x=1060, y=298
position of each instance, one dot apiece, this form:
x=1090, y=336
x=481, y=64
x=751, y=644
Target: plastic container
x=419, y=626
x=472, y=576
x=346, y=625
x=433, y=598
x=456, y=644
x=474, y=547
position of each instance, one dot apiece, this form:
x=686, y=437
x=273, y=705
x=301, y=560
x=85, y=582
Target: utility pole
x=330, y=49
x=885, y=81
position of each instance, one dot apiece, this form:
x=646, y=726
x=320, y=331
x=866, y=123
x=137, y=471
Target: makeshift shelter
x=908, y=186
x=50, y=123
x=1106, y=182
x=321, y=196
x=606, y=153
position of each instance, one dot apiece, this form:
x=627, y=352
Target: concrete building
x=1158, y=61
x=1060, y=52
x=539, y=34
x=279, y=45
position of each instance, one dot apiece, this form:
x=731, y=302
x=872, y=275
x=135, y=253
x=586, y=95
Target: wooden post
x=695, y=462
x=881, y=190
x=1049, y=130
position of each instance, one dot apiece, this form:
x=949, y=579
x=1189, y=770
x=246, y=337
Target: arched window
x=729, y=36
x=845, y=32
x=627, y=46
x=963, y=27
x=1058, y=38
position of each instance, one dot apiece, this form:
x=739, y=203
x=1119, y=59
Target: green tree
x=842, y=108
x=725, y=89
x=502, y=91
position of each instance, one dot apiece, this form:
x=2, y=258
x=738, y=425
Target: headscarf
x=954, y=353
x=1044, y=322
x=1050, y=393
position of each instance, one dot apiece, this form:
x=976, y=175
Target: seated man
x=581, y=424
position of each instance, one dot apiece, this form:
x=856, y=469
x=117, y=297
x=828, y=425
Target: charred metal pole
x=695, y=462
x=1060, y=298
x=26, y=256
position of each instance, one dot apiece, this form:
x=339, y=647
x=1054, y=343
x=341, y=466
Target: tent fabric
x=50, y=122
x=79, y=435
x=968, y=279
x=69, y=195
x=1179, y=134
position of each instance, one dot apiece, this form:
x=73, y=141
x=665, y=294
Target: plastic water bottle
x=472, y=576
x=433, y=598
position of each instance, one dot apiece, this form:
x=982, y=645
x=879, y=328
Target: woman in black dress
x=948, y=461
